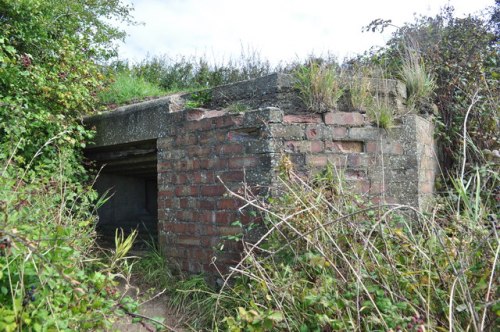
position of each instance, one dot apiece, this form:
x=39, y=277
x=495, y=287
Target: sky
x=278, y=30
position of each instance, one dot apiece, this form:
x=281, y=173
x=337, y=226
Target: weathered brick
x=188, y=240
x=362, y=134
x=206, y=204
x=232, y=176
x=302, y=118
x=228, y=204
x=185, y=139
x=213, y=190
x=387, y=147
x=288, y=131
x=187, y=190
x=230, y=148
x=344, y=118
x=344, y=146
x=241, y=162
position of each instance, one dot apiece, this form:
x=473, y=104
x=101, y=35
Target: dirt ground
x=152, y=305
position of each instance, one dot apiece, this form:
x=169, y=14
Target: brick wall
x=206, y=150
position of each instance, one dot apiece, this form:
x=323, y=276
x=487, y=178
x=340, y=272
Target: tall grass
x=127, y=88
x=419, y=83
x=319, y=86
x=330, y=261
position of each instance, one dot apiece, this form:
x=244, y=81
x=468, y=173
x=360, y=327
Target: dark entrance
x=129, y=179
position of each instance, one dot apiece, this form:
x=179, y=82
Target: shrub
x=462, y=56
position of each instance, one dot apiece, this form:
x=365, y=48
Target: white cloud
x=278, y=29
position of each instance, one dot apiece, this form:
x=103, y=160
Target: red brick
x=184, y=215
x=344, y=146
x=312, y=133
x=357, y=160
x=242, y=162
x=167, y=203
x=228, y=204
x=165, y=193
x=232, y=176
x=207, y=204
x=185, y=139
x=230, y=148
x=229, y=121
x=198, y=151
x=225, y=218
x=215, y=163
x=164, y=166
x=338, y=132
x=203, y=124
x=203, y=176
x=181, y=179
x=185, y=203
x=344, y=118
x=188, y=240
x=317, y=146
x=302, y=118
x=317, y=161
x=214, y=190
x=186, y=191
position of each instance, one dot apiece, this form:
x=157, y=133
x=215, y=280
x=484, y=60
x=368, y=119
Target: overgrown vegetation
x=49, y=78
x=462, y=57
x=331, y=261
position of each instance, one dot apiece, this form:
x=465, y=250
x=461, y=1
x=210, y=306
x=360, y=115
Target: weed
x=49, y=277
x=330, y=261
x=237, y=107
x=195, y=297
x=199, y=99
x=154, y=268
x=319, y=86
x=128, y=88
x=382, y=114
x=419, y=83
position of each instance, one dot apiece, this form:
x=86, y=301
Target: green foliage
x=49, y=277
x=128, y=88
x=48, y=71
x=187, y=73
x=199, y=99
x=462, y=56
x=193, y=296
x=332, y=262
x=49, y=79
x=319, y=86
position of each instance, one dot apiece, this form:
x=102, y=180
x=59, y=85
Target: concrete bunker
x=189, y=151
